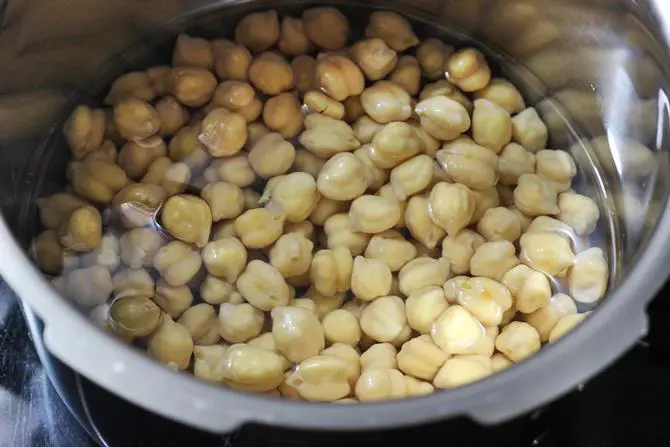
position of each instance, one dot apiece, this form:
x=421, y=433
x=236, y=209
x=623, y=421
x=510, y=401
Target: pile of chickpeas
x=288, y=214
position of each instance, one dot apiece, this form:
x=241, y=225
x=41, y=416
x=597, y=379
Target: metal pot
x=600, y=65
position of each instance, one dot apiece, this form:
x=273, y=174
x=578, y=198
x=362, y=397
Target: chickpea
x=135, y=84
x=443, y=118
x=89, y=286
x=420, y=224
x=391, y=248
x=84, y=130
x=239, y=322
x=159, y=76
x=374, y=58
x=468, y=69
x=305, y=161
x=343, y=177
x=326, y=137
x=173, y=300
x=321, y=304
x=270, y=73
x=304, y=228
x=317, y=102
x=518, y=341
x=379, y=356
x=485, y=299
x=353, y=109
x=231, y=61
x=97, y=180
x=499, y=362
x=297, y=332
x=225, y=200
x=412, y=176
x=258, y=228
x=258, y=31
x=422, y=272
x=339, y=234
x=208, y=362
x=250, y=368
x=225, y=258
x=291, y=255
x=451, y=206
x=484, y=200
x=177, y=263
x=534, y=196
x=341, y=326
x=327, y=27
x=81, y=231
x=588, y=276
x=366, y=128
x=469, y=164
x=579, y=211
x=171, y=177
x=56, y=207
x=135, y=157
x=293, y=40
x=557, y=167
x=549, y=224
x=272, y=155
x=491, y=125
x=461, y=370
x=139, y=246
x=545, y=319
x=171, y=344
x=370, y=278
x=339, y=77
x=374, y=214
x=421, y=358
x=432, y=55
x=136, y=119
x=515, y=161
x=192, y=51
x=381, y=384
x=394, y=29
x=385, y=102
x=494, y=259
x=384, y=319
x=304, y=73
x=459, y=250
x=198, y=320
x=192, y=86
x=348, y=354
x=565, y=325
x=407, y=74
x=132, y=282
x=223, y=133
x=549, y=253
x=386, y=151
x=529, y=130
x=503, y=93
x=500, y=224
x=238, y=97
x=282, y=114
x=321, y=379
x=263, y=286
x=47, y=252
x=325, y=209
x=424, y=306
x=188, y=218
x=457, y=331
x=531, y=290
x=136, y=204
x=330, y=271
x=295, y=196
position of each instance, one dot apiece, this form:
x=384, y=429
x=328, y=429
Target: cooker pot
x=599, y=65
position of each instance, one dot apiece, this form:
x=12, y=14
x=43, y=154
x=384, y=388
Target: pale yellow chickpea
x=355, y=307
x=485, y=299
x=557, y=167
x=270, y=73
x=293, y=40
x=250, y=368
x=238, y=97
x=381, y=384
x=339, y=77
x=491, y=125
x=412, y=176
x=330, y=271
x=515, y=161
x=47, y=252
x=291, y=255
x=171, y=344
x=341, y=326
x=384, y=319
x=468, y=69
x=366, y=128
x=81, y=231
x=417, y=388
x=530, y=289
x=263, y=286
x=339, y=234
x=186, y=147
x=578, y=211
x=258, y=31
x=97, y=180
x=494, y=259
x=385, y=102
x=282, y=114
x=379, y=356
x=323, y=304
x=56, y=207
x=177, y=263
x=139, y=246
x=457, y=331
x=424, y=307
x=432, y=55
x=343, y=177
x=325, y=209
x=422, y=272
x=317, y=102
x=321, y=379
x=198, y=320
x=394, y=29
x=239, y=322
x=159, y=75
x=500, y=224
x=443, y=118
x=421, y=358
x=407, y=74
x=272, y=155
x=518, y=341
x=225, y=258
x=223, y=133
x=544, y=320
x=350, y=355
x=188, y=218
x=215, y=291
x=297, y=333
x=393, y=144
x=304, y=73
x=207, y=362
x=173, y=178
x=547, y=252
x=386, y=191
x=327, y=27
x=374, y=58
x=305, y=161
x=468, y=163
x=374, y=214
x=295, y=196
x=484, y=200
x=461, y=370
x=391, y=248
x=535, y=196
x=565, y=325
x=325, y=136
x=132, y=282
x=135, y=84
x=231, y=60
x=503, y=93
x=84, y=130
x=451, y=206
x=172, y=115
x=173, y=300
x=225, y=200
x=459, y=250
x=549, y=224
x=192, y=86
x=499, y=362
x=370, y=279
x=193, y=52
x=420, y=224
x=588, y=276
x=529, y=130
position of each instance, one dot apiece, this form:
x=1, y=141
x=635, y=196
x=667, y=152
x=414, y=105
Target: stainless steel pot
x=603, y=64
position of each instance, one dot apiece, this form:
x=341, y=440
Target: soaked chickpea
x=251, y=368
x=446, y=89
x=457, y=331
x=515, y=161
x=468, y=163
x=158, y=76
x=468, y=69
x=451, y=206
x=494, y=259
x=139, y=246
x=518, y=341
x=188, y=218
x=238, y=97
x=81, y=231
x=173, y=178
x=420, y=223
x=207, y=362
x=171, y=344
x=432, y=55
x=192, y=51
x=421, y=358
x=530, y=289
x=424, y=307
x=132, y=282
x=491, y=125
x=325, y=136
x=305, y=161
x=544, y=320
x=135, y=157
x=173, y=300
x=198, y=320
x=192, y=86
x=282, y=114
x=393, y=144
x=84, y=130
x=177, y=263
x=325, y=209
x=588, y=276
x=339, y=77
x=374, y=214
x=327, y=27
x=412, y=176
x=381, y=384
x=394, y=29
x=317, y=102
x=297, y=332
x=304, y=73
x=272, y=155
x=56, y=207
x=47, y=252
x=90, y=286
x=321, y=379
x=339, y=233
x=461, y=370
x=215, y=291
x=384, y=319
x=529, y=130
x=223, y=133
x=370, y=279
x=239, y=322
x=578, y=211
x=231, y=60
x=366, y=128
x=270, y=73
x=97, y=180
x=485, y=299
x=291, y=255
x=225, y=200
x=557, y=167
x=503, y=93
x=186, y=147
x=258, y=31
x=443, y=118
x=422, y=272
x=321, y=304
x=353, y=109
x=500, y=224
x=330, y=271
x=263, y=286
x=565, y=325
x=385, y=102
x=549, y=253
x=374, y=58
x=225, y=258
x=136, y=84
x=341, y=326
x=535, y=196
x=295, y=196
x=391, y=248
x=258, y=228
x=459, y=250
x=343, y=177
x=293, y=40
